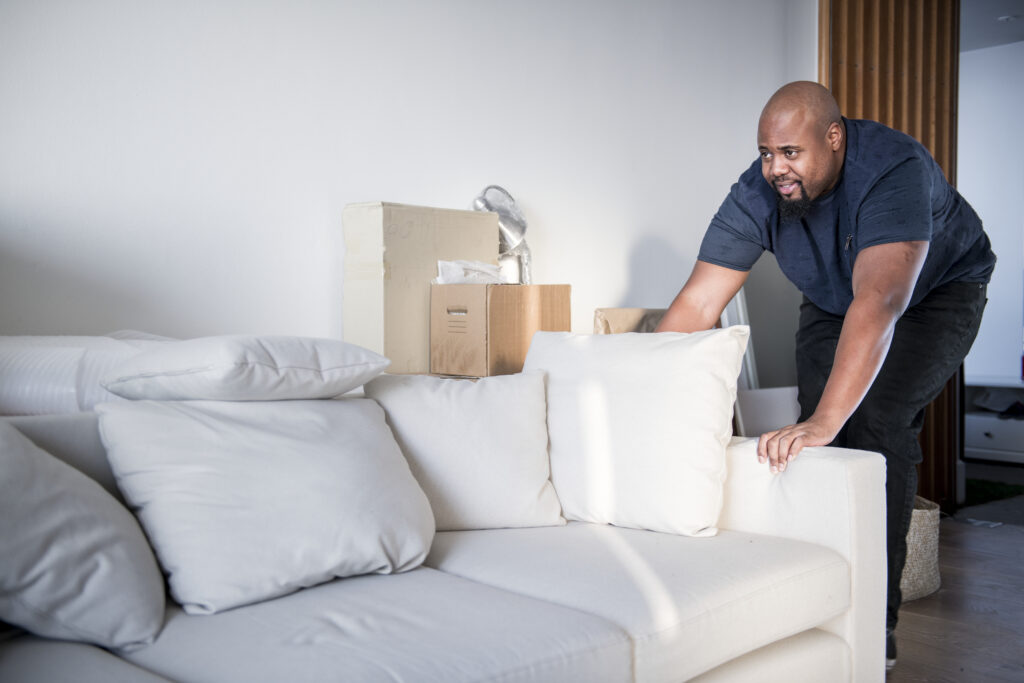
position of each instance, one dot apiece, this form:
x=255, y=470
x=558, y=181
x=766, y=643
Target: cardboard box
x=391, y=255
x=618, y=320
x=483, y=330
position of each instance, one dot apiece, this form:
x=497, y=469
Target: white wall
x=180, y=167
x=773, y=302
x=990, y=175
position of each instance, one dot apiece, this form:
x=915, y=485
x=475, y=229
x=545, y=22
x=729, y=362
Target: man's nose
x=779, y=167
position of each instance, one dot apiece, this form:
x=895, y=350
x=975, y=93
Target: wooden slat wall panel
x=896, y=61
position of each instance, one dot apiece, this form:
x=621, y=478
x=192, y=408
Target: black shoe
x=890, y=651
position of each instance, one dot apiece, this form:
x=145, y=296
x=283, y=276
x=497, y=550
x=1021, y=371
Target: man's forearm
x=700, y=302
x=687, y=315
x=863, y=344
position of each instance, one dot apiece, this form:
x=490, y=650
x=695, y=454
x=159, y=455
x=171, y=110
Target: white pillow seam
x=207, y=368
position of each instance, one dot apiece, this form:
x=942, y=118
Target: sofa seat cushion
x=423, y=625
x=689, y=604
x=809, y=657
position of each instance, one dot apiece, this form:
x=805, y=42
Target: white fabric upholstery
x=639, y=423
x=38, y=380
x=844, y=490
x=28, y=659
x=245, y=368
x=74, y=563
x=813, y=656
x=689, y=604
x=421, y=626
x=478, y=448
x=60, y=374
x=248, y=501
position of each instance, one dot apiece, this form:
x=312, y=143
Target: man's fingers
x=794, y=447
x=773, y=451
x=780, y=447
x=762, y=446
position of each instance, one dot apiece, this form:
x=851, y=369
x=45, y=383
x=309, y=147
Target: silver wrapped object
x=511, y=227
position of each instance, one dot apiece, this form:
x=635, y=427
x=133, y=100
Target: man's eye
x=766, y=155
x=790, y=153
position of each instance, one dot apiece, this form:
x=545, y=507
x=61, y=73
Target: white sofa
x=790, y=588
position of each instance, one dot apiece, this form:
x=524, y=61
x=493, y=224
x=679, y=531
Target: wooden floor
x=972, y=629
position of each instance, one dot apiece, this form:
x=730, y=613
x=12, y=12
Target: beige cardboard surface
x=391, y=255
x=483, y=330
x=618, y=320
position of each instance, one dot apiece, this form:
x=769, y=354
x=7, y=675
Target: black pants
x=929, y=344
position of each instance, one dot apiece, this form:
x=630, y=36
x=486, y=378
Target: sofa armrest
x=834, y=497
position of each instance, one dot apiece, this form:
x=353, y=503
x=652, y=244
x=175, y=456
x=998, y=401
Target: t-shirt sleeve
x=898, y=207
x=734, y=238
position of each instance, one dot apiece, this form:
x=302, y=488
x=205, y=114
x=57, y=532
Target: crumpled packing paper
x=467, y=272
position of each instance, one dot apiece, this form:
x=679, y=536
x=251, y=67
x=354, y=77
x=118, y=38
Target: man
x=893, y=265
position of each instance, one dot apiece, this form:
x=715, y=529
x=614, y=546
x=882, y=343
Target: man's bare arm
x=883, y=282
x=700, y=302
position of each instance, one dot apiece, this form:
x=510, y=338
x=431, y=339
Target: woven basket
x=921, y=572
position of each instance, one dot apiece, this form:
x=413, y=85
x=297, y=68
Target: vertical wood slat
x=825, y=43
x=896, y=61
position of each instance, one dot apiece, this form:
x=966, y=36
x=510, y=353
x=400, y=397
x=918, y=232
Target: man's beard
x=794, y=208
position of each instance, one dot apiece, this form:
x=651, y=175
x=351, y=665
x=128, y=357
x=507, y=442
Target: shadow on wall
x=41, y=298
x=657, y=270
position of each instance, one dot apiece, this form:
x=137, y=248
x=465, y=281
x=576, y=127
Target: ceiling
x=980, y=26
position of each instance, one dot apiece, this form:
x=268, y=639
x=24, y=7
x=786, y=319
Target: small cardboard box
x=484, y=330
x=391, y=255
x=616, y=320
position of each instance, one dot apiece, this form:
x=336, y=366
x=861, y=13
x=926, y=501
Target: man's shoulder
x=877, y=153
x=871, y=144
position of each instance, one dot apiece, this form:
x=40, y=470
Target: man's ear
x=835, y=136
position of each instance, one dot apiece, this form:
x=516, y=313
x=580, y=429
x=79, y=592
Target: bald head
x=813, y=100
x=802, y=140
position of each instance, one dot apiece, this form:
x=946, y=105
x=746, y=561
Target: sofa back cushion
x=247, y=501
x=74, y=563
x=245, y=368
x=477, y=447
x=639, y=424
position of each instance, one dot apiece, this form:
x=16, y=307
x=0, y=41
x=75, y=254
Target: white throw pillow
x=478, y=448
x=74, y=563
x=639, y=424
x=248, y=501
x=245, y=368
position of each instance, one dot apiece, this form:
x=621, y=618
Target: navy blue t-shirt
x=891, y=190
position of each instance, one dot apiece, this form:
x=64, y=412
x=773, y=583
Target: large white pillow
x=245, y=368
x=248, y=501
x=478, y=448
x=74, y=563
x=639, y=424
